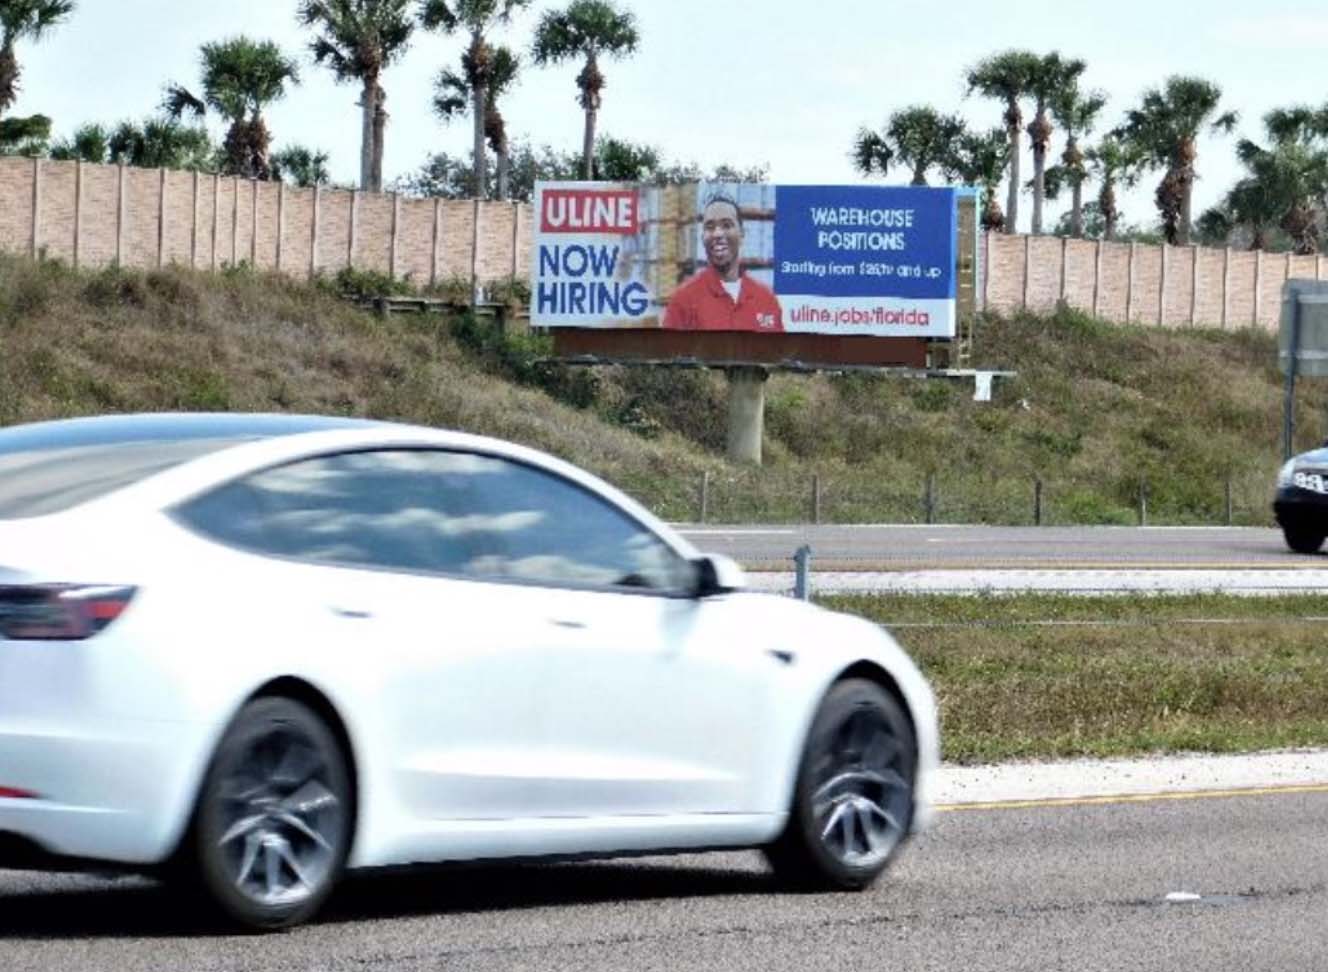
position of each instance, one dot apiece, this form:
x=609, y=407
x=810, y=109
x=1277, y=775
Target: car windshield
x=38, y=481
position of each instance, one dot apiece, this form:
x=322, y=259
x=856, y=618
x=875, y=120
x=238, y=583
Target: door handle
x=353, y=614
x=569, y=623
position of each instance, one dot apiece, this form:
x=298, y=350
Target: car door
x=441, y=665
x=652, y=701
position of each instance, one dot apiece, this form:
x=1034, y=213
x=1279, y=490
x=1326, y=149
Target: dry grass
x=1116, y=675
x=1095, y=408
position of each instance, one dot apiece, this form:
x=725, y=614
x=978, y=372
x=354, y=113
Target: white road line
x=740, y=532
x=1087, y=778
x=1251, y=582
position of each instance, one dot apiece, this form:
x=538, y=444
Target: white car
x=259, y=649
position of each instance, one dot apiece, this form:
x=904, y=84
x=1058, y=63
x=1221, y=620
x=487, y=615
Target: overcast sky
x=774, y=82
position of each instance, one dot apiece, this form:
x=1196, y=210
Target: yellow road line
x=1133, y=798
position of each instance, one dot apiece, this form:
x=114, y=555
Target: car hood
x=1315, y=457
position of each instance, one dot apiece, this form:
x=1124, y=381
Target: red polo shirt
x=702, y=304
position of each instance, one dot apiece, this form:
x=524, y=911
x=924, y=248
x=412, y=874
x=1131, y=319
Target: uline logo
x=589, y=211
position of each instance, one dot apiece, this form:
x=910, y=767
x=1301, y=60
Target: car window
x=46, y=479
x=453, y=512
x=400, y=509
x=543, y=528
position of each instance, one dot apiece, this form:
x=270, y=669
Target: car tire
x=853, y=799
x=272, y=827
x=1303, y=539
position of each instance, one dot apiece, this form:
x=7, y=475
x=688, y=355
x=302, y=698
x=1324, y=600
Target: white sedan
x=255, y=650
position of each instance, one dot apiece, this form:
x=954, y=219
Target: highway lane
x=985, y=547
x=1080, y=887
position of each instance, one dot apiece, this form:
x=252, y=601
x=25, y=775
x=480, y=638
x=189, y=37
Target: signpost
x=1302, y=346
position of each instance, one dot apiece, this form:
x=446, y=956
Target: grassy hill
x=1095, y=408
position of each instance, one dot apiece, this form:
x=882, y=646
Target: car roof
x=259, y=440
x=168, y=426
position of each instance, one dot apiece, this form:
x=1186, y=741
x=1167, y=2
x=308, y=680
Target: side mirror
x=717, y=574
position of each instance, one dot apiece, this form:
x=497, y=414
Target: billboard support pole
x=746, y=414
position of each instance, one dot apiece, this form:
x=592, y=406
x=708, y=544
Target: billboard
x=844, y=260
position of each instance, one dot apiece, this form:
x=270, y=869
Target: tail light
x=59, y=612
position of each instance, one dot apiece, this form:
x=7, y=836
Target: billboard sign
x=843, y=260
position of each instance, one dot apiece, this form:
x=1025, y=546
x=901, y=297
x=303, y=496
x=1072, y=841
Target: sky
x=777, y=82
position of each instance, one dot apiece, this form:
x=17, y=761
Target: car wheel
x=1303, y=539
x=273, y=823
x=853, y=800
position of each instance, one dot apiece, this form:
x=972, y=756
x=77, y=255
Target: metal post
x=1228, y=499
x=816, y=497
x=1143, y=501
x=1289, y=396
x=930, y=499
x=802, y=561
x=1037, y=502
x=705, y=496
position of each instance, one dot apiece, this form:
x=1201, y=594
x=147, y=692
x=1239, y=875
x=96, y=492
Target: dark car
x=1301, y=505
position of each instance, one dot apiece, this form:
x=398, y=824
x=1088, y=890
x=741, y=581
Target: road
x=959, y=547
x=1080, y=887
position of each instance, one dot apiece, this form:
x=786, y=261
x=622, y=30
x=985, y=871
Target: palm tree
x=240, y=78
x=871, y=153
x=25, y=136
x=454, y=96
x=24, y=20
x=358, y=40
x=1007, y=76
x=1076, y=112
x=1115, y=163
x=89, y=143
x=301, y=166
x=1290, y=178
x=980, y=159
x=1166, y=128
x=478, y=18
x=588, y=29
x=918, y=137
x=1054, y=77
x=618, y=160
x=1250, y=205
x=162, y=143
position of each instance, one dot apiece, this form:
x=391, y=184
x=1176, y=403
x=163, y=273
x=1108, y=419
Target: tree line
x=357, y=40
x=1280, y=200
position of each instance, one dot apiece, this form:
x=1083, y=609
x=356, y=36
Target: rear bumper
x=115, y=792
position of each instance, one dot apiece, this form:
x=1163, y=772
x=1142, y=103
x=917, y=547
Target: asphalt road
x=961, y=547
x=1079, y=887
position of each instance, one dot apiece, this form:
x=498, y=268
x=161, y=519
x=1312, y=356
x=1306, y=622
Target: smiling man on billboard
x=721, y=297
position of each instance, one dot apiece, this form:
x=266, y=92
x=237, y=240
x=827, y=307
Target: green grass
x=1057, y=676
x=1095, y=409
